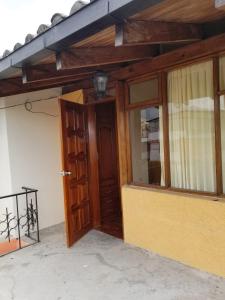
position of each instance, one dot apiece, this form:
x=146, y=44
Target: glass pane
x=146, y=145
x=191, y=127
x=222, y=108
x=222, y=73
x=146, y=90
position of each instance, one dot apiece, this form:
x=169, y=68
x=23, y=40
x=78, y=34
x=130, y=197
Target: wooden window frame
x=145, y=103
x=163, y=101
x=140, y=105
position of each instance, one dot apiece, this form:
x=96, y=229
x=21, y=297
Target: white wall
x=34, y=152
x=5, y=175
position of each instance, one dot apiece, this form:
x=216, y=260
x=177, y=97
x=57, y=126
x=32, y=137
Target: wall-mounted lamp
x=100, y=83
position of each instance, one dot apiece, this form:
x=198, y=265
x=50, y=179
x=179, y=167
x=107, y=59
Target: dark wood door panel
x=109, y=190
x=76, y=186
x=107, y=152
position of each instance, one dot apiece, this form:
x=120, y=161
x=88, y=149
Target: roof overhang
x=120, y=37
x=94, y=17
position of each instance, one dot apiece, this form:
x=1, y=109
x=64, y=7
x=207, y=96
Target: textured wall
x=190, y=229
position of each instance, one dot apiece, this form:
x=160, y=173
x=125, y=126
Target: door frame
x=122, y=151
x=93, y=159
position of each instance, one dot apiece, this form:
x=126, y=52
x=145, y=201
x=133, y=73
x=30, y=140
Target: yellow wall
x=190, y=229
x=76, y=97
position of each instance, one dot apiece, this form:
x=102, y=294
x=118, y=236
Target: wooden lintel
x=89, y=57
x=134, y=32
x=197, y=50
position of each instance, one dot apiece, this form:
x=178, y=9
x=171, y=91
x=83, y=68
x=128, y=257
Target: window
x=146, y=144
x=175, y=142
x=144, y=91
x=191, y=127
x=146, y=134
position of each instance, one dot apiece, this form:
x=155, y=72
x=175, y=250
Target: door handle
x=65, y=173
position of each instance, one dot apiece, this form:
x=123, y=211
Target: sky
x=20, y=17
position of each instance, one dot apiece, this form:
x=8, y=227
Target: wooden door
x=109, y=190
x=75, y=176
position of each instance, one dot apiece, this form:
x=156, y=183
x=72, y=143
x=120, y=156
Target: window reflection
x=147, y=147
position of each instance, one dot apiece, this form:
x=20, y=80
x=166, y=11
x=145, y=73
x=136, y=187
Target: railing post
x=8, y=225
x=18, y=220
x=36, y=204
x=28, y=216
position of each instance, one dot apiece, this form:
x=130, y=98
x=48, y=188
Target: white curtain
x=222, y=115
x=223, y=138
x=161, y=146
x=191, y=127
x=222, y=108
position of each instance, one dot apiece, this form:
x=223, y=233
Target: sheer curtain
x=222, y=114
x=222, y=109
x=161, y=146
x=191, y=127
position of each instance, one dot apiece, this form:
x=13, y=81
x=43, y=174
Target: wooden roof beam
x=134, y=32
x=203, y=49
x=75, y=58
x=35, y=73
x=14, y=83
x=49, y=72
x=15, y=86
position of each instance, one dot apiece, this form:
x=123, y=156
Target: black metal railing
x=19, y=226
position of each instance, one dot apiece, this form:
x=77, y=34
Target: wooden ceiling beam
x=199, y=50
x=15, y=86
x=85, y=85
x=79, y=79
x=49, y=71
x=12, y=83
x=134, y=32
x=35, y=73
x=75, y=58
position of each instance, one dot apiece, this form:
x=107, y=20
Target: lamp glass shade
x=100, y=83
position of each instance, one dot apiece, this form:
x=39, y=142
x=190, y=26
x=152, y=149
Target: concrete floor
x=99, y=267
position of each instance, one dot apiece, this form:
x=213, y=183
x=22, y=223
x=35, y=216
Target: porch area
x=100, y=267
